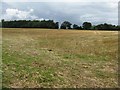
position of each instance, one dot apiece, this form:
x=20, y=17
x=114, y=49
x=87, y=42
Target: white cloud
x=95, y=12
x=18, y=14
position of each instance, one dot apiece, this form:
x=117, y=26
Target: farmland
x=59, y=58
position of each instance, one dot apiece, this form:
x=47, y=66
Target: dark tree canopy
x=105, y=26
x=30, y=24
x=66, y=25
x=87, y=25
x=75, y=26
x=55, y=25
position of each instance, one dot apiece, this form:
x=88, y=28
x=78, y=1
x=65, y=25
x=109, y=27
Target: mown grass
x=59, y=58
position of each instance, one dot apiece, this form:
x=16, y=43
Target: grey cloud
x=95, y=12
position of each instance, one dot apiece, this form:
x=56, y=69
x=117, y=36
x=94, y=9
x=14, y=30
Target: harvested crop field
x=59, y=58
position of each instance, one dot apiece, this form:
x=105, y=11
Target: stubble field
x=59, y=58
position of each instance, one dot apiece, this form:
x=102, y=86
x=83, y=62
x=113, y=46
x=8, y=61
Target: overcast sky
x=75, y=11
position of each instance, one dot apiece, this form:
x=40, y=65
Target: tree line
x=30, y=24
x=50, y=24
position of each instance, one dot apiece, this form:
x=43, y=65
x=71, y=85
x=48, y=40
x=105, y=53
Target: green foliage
x=87, y=25
x=106, y=26
x=30, y=24
x=66, y=25
x=55, y=25
x=75, y=26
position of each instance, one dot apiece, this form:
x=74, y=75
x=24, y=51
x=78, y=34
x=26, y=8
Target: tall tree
x=66, y=25
x=87, y=25
x=57, y=25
